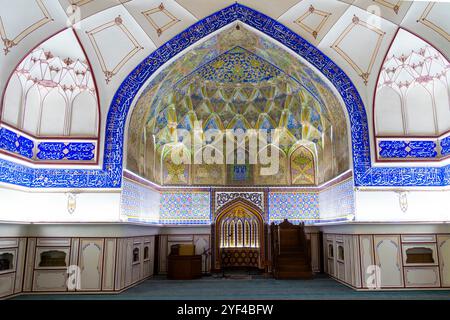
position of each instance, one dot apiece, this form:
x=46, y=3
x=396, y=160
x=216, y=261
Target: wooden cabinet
x=184, y=267
x=148, y=256
x=50, y=280
x=443, y=245
x=7, y=284
x=366, y=248
x=389, y=260
x=91, y=264
x=422, y=277
x=109, y=264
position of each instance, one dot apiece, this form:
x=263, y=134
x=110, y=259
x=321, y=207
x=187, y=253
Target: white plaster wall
x=384, y=206
x=52, y=207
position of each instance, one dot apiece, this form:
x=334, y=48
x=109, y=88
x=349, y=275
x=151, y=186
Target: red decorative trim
x=97, y=93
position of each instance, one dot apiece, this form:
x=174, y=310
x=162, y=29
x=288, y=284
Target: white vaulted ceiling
x=117, y=34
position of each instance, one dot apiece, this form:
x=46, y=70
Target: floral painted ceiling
x=239, y=80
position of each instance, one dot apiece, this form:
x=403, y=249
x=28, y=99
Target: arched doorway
x=239, y=236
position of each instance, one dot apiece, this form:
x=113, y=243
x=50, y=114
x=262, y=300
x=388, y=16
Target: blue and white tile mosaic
x=15, y=143
x=337, y=203
x=435, y=148
x=23, y=146
x=295, y=206
x=79, y=151
x=139, y=203
x=445, y=146
x=111, y=174
x=185, y=208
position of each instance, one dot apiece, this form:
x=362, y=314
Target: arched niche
x=389, y=103
x=32, y=110
x=174, y=173
x=179, y=96
x=302, y=164
x=12, y=106
x=84, y=115
x=53, y=114
x=412, y=93
x=420, y=111
x=442, y=98
x=45, y=77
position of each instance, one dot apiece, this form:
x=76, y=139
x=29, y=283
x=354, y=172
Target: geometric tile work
x=185, y=208
x=111, y=174
x=253, y=69
x=295, y=206
x=139, y=203
x=337, y=203
x=222, y=198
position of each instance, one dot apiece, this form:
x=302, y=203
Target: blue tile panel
x=185, y=208
x=293, y=206
x=408, y=149
x=75, y=151
x=139, y=203
x=13, y=142
x=445, y=146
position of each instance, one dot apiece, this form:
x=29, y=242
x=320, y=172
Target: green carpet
x=223, y=289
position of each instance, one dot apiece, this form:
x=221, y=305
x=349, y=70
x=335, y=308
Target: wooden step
x=293, y=268
x=294, y=275
x=295, y=260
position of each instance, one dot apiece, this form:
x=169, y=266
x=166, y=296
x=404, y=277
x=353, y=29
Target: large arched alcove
x=412, y=102
x=238, y=80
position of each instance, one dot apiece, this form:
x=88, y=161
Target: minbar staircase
x=290, y=251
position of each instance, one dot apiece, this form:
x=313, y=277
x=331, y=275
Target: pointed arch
x=302, y=166
x=411, y=103
x=53, y=75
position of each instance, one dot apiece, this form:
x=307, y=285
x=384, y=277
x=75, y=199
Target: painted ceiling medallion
x=9, y=42
x=160, y=18
x=425, y=19
x=313, y=29
x=111, y=71
x=363, y=72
